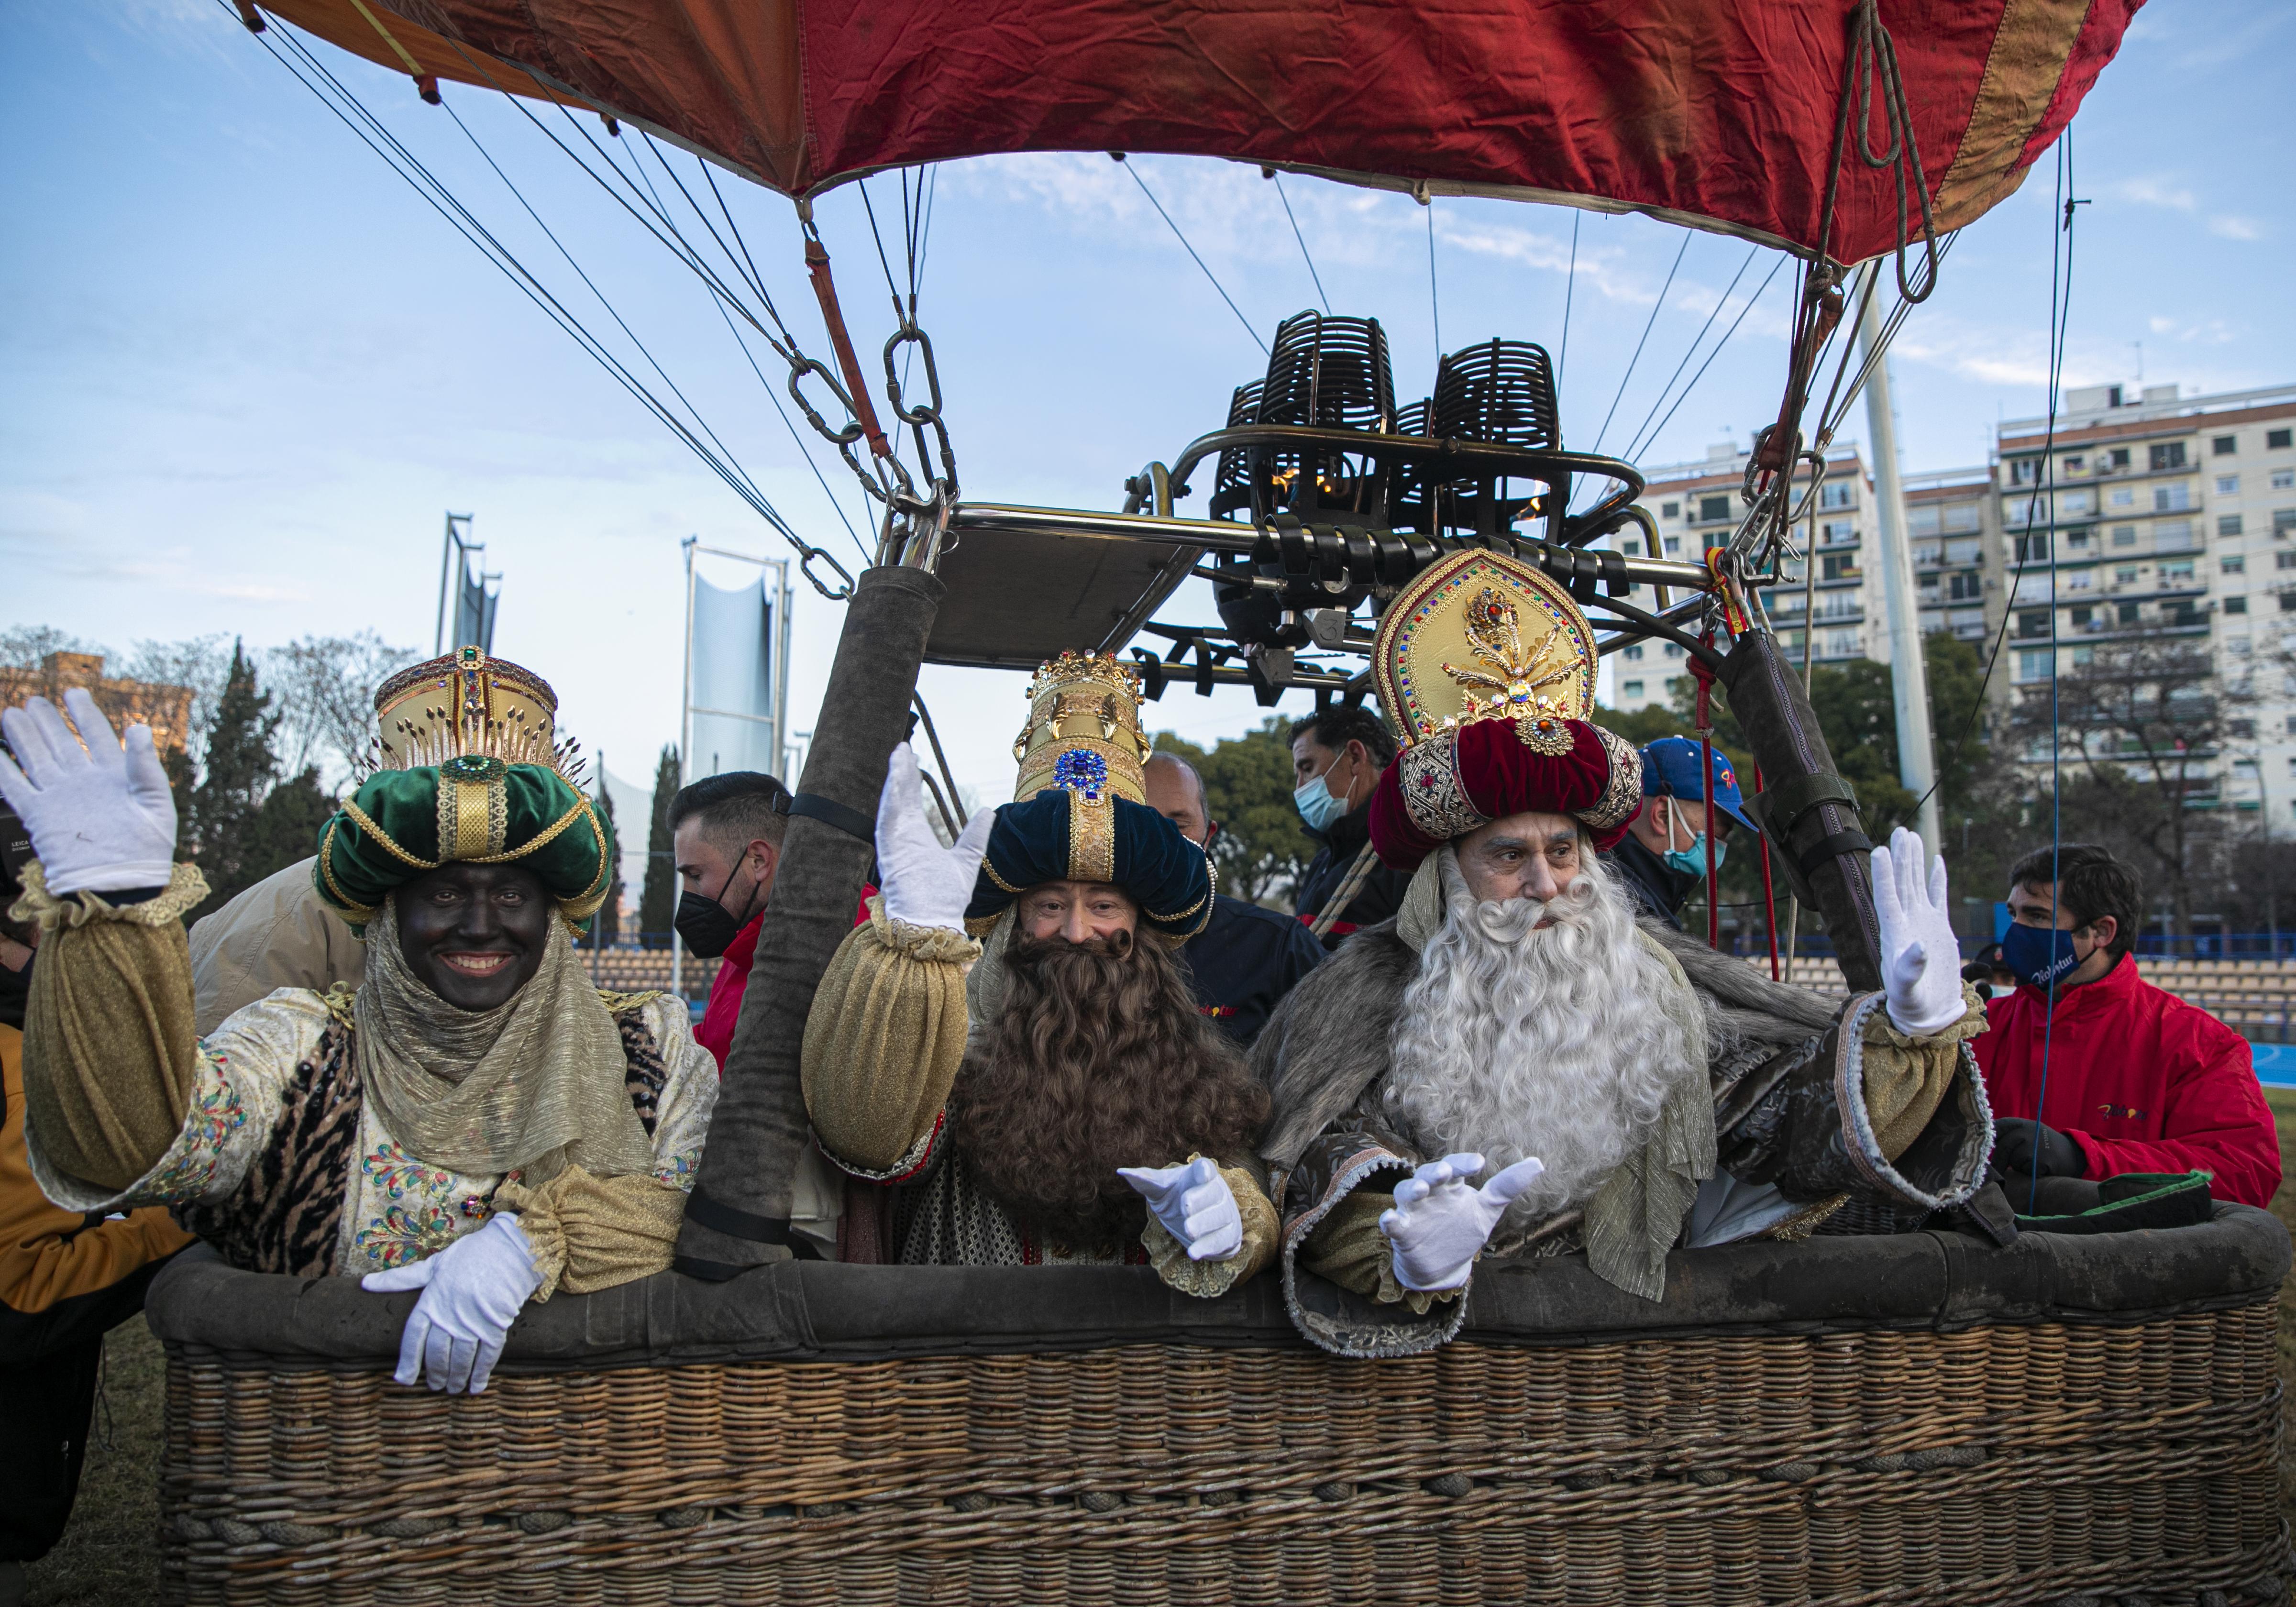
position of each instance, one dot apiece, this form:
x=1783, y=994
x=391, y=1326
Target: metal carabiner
x=805, y=568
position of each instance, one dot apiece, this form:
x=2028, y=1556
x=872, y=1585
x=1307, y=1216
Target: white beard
x=1516, y=1041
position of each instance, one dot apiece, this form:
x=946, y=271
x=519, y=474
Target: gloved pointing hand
x=1440, y=1222
x=473, y=1292
x=103, y=817
x=1195, y=1205
x=1921, y=957
x=923, y=882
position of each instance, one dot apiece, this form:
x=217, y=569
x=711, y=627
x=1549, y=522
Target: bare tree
x=24, y=646
x=326, y=689
x=202, y=663
x=2145, y=719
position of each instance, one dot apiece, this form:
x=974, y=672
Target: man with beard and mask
x=1619, y=1089
x=473, y=1120
x=1062, y=1101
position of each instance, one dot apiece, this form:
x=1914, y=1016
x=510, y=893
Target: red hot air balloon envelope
x=1719, y=114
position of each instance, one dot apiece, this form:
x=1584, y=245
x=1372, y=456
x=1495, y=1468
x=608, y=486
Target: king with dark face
x=419, y=1126
x=1067, y=1100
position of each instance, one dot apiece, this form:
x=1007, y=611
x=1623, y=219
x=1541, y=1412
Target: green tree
x=242, y=823
x=1262, y=847
x=658, y=895
x=607, y=929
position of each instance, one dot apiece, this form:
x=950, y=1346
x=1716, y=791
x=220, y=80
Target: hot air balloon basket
x=2001, y=1462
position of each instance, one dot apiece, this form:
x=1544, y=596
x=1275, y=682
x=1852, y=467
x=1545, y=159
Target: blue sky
x=249, y=369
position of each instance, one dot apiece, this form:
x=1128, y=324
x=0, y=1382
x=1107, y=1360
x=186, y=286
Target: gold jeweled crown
x=1482, y=636
x=1084, y=729
x=467, y=705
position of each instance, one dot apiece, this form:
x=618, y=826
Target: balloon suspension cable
x=1769, y=889
x=297, y=59
x=1705, y=729
x=1869, y=79
x=933, y=736
x=2061, y=292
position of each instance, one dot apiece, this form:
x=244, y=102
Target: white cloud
x=2155, y=192
x=2230, y=225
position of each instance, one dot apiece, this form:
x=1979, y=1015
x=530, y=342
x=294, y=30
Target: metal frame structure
x=779, y=719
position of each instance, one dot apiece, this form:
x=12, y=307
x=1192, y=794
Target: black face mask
x=707, y=926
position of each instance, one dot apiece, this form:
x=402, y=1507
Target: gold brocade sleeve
x=1907, y=1078
x=590, y=1233
x=110, y=1056
x=1211, y=1279
x=883, y=1040
x=1348, y=1247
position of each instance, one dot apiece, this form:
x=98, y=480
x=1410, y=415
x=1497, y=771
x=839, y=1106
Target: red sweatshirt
x=723, y=1014
x=2143, y=1081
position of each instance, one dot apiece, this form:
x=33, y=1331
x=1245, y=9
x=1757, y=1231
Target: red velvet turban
x=1445, y=785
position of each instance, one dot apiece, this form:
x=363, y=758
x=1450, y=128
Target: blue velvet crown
x=1081, y=832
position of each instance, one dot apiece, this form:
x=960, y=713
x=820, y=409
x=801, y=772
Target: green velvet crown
x=474, y=809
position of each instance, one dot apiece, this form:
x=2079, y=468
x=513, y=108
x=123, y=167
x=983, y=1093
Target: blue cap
x=1670, y=770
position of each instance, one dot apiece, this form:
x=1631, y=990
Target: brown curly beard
x=1100, y=1059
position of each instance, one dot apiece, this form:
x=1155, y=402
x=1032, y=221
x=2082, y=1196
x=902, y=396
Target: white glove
x=1195, y=1205
x=1440, y=1222
x=1921, y=958
x=923, y=883
x=101, y=818
x=473, y=1292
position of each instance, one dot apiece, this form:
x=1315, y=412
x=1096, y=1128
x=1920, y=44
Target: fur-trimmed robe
x=1791, y=1071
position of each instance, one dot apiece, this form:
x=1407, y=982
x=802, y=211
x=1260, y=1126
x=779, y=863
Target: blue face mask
x=1692, y=861
x=1317, y=805
x=2038, y=955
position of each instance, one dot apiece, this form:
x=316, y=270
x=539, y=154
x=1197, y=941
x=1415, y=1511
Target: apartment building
x=1697, y=505
x=1952, y=520
x=2169, y=516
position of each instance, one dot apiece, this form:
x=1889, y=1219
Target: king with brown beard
x=1009, y=1048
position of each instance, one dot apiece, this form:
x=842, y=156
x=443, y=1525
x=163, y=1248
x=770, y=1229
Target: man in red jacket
x=2137, y=1080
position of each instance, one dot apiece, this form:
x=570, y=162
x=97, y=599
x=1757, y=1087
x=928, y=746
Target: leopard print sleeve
x=673, y=1083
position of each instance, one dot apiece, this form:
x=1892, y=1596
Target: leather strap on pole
x=824, y=291
x=829, y=811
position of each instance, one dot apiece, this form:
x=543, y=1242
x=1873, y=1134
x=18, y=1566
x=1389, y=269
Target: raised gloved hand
x=2022, y=1148
x=103, y=817
x=1921, y=958
x=473, y=1292
x=1440, y=1221
x=923, y=883
x=1195, y=1205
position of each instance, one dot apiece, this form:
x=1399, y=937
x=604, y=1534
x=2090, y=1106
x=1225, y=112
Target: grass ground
x=107, y=1558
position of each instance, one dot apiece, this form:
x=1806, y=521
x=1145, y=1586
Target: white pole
x=685, y=744
x=1909, y=676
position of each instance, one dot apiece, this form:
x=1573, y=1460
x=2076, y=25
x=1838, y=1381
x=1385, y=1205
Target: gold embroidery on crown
x=1494, y=627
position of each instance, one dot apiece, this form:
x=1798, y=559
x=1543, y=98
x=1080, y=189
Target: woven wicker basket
x=2004, y=1462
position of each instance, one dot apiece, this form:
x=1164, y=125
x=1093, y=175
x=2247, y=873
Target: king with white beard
x=1515, y=1068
